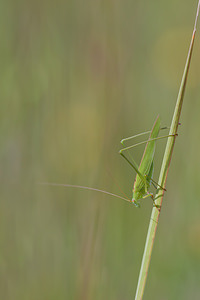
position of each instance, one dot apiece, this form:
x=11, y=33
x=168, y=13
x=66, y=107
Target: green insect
x=144, y=171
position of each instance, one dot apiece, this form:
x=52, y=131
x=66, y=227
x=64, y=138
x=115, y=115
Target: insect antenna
x=117, y=184
x=85, y=188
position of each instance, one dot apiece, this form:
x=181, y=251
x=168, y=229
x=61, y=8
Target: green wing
x=146, y=164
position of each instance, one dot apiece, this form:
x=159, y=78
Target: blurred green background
x=76, y=77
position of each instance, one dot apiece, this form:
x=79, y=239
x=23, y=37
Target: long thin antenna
x=85, y=188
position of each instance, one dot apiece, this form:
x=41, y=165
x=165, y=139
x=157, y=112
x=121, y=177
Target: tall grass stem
x=153, y=224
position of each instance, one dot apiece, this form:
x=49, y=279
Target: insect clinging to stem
x=144, y=171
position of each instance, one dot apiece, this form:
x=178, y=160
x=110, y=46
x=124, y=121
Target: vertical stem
x=163, y=174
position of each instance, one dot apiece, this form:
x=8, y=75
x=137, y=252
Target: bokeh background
x=76, y=77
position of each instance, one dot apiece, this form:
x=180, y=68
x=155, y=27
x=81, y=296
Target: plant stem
x=163, y=174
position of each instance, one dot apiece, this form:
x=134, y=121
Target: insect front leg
x=148, y=194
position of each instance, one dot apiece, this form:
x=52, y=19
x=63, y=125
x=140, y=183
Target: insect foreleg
x=148, y=195
x=152, y=197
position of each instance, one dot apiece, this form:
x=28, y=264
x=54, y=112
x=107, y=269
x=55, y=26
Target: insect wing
x=146, y=166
